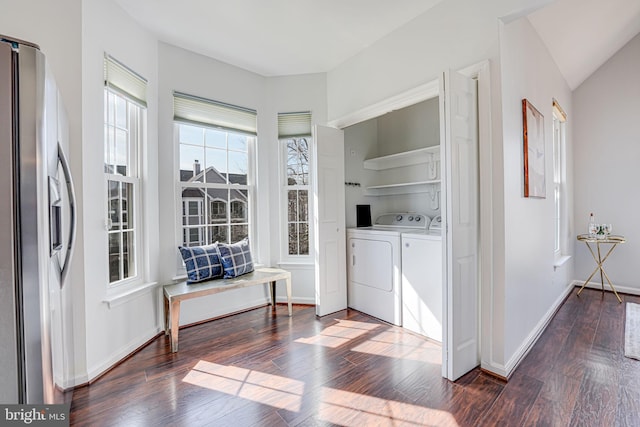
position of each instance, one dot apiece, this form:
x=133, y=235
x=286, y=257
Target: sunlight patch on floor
x=402, y=346
x=273, y=390
x=341, y=333
x=357, y=410
x=335, y=406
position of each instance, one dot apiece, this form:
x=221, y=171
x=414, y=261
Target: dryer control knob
x=410, y=218
x=418, y=218
x=398, y=217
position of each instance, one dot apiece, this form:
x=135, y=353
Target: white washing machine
x=374, y=264
x=422, y=281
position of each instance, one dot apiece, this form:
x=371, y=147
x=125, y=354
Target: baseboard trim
x=598, y=286
x=533, y=337
x=123, y=354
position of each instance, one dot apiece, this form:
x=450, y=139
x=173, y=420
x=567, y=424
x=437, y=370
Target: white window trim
x=285, y=257
x=559, y=119
x=251, y=188
x=123, y=287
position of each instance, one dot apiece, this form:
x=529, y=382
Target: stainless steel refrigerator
x=37, y=230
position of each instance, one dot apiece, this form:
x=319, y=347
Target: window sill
x=296, y=264
x=115, y=298
x=560, y=261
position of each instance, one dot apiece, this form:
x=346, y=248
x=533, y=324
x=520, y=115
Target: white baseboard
x=528, y=343
x=296, y=300
x=124, y=351
x=598, y=285
x=495, y=369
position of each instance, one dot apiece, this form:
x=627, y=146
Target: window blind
x=127, y=82
x=292, y=125
x=193, y=109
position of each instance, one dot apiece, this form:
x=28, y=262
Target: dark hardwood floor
x=264, y=369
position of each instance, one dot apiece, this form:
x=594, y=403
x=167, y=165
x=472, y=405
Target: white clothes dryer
x=374, y=265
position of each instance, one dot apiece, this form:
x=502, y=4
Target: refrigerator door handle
x=64, y=271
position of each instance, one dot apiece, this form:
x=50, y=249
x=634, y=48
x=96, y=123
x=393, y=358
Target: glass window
x=297, y=195
x=559, y=122
x=294, y=133
x=123, y=133
x=213, y=177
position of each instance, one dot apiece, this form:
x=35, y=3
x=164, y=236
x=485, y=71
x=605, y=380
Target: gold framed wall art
x=533, y=149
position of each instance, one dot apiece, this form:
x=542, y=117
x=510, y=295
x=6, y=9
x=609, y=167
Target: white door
x=458, y=106
x=329, y=222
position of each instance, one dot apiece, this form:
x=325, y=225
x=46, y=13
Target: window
x=124, y=120
x=294, y=133
x=559, y=121
x=215, y=143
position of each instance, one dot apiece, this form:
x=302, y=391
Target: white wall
x=532, y=287
x=453, y=34
x=289, y=94
x=607, y=129
x=113, y=331
x=187, y=72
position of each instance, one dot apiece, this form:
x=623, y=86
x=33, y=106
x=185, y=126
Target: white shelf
x=401, y=188
x=406, y=158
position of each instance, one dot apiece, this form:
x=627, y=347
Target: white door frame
x=481, y=72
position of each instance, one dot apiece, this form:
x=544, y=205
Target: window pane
x=239, y=232
x=293, y=239
x=303, y=205
x=121, y=154
x=191, y=161
x=191, y=135
x=121, y=112
x=114, y=204
x=110, y=149
x=111, y=109
x=216, y=166
x=239, y=211
x=292, y=205
x=193, y=236
x=127, y=205
x=238, y=167
x=238, y=142
x=193, y=202
x=218, y=234
x=114, y=256
x=215, y=138
x=303, y=238
x=298, y=162
x=128, y=255
x=217, y=211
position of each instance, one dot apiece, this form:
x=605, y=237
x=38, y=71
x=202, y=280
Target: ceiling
x=275, y=37
x=581, y=35
x=285, y=37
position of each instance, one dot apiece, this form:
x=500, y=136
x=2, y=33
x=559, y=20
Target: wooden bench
x=175, y=294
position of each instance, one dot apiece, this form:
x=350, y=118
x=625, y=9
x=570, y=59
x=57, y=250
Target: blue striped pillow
x=202, y=262
x=236, y=258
